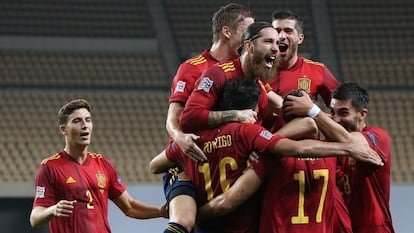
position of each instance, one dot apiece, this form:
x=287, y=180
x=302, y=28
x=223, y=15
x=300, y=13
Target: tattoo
x=217, y=118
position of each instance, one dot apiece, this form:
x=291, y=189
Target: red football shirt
x=187, y=74
x=366, y=188
x=314, y=77
x=60, y=177
x=300, y=195
x=207, y=92
x=227, y=149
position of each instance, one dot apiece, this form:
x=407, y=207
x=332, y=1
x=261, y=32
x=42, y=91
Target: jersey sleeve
x=206, y=92
x=44, y=190
x=262, y=142
x=183, y=82
x=379, y=141
x=117, y=186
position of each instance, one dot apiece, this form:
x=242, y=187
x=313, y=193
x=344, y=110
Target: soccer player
x=228, y=25
x=228, y=147
x=366, y=187
x=73, y=186
x=257, y=62
x=296, y=72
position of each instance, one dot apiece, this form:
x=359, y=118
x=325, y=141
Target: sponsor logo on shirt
x=205, y=84
x=70, y=180
x=40, y=192
x=266, y=134
x=180, y=86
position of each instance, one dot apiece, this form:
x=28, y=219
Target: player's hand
x=254, y=157
x=164, y=211
x=297, y=106
x=187, y=144
x=364, y=153
x=247, y=116
x=63, y=208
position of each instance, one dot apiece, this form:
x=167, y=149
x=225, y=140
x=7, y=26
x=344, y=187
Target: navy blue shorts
x=176, y=182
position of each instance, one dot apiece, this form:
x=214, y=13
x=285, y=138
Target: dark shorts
x=176, y=182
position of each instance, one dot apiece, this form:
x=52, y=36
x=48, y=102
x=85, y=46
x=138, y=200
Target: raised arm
x=198, y=113
x=301, y=106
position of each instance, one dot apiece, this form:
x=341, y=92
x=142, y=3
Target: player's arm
x=301, y=106
x=275, y=101
x=299, y=128
x=217, y=118
x=186, y=141
x=41, y=215
x=198, y=114
x=137, y=209
x=239, y=192
x=160, y=163
x=320, y=149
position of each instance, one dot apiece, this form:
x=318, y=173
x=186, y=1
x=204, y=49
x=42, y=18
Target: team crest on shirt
x=205, y=84
x=40, y=192
x=101, y=181
x=180, y=86
x=305, y=84
x=266, y=134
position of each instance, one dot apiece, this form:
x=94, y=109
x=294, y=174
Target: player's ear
x=225, y=30
x=62, y=129
x=301, y=38
x=248, y=45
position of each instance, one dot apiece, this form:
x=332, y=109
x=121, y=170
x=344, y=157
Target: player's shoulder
x=312, y=62
x=97, y=156
x=51, y=159
x=227, y=66
x=376, y=134
x=196, y=60
x=201, y=60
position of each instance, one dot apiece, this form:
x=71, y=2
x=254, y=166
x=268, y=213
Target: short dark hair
x=68, y=108
x=228, y=15
x=358, y=96
x=287, y=14
x=296, y=93
x=239, y=93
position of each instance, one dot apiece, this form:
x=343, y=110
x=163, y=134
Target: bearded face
x=258, y=65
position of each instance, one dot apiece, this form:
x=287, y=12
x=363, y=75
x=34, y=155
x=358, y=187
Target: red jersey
x=208, y=91
x=60, y=177
x=187, y=74
x=366, y=188
x=314, y=77
x=227, y=149
x=300, y=195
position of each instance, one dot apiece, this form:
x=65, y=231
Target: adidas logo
x=70, y=180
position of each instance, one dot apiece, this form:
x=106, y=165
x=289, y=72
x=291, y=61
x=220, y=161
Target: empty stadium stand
x=129, y=127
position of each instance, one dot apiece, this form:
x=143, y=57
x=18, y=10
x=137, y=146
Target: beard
x=256, y=69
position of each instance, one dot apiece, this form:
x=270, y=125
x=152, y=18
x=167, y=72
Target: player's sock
x=173, y=227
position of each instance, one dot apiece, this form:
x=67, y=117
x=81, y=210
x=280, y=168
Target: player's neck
x=289, y=63
x=221, y=52
x=78, y=153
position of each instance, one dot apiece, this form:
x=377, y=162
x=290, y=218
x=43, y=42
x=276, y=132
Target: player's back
x=301, y=196
x=227, y=152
